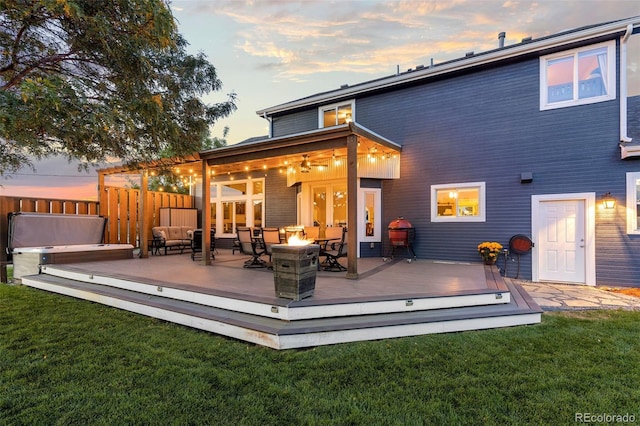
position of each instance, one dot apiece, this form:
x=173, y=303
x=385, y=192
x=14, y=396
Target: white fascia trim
x=505, y=53
x=624, y=137
x=627, y=151
x=631, y=203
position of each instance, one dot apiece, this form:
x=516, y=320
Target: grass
x=68, y=361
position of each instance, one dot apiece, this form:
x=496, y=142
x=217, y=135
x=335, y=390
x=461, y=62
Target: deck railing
x=120, y=207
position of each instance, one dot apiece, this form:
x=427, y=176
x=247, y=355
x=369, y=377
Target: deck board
x=378, y=280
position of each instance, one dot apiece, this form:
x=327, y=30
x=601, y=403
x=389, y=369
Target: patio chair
x=311, y=232
x=251, y=247
x=333, y=252
x=333, y=232
x=196, y=243
x=270, y=236
x=290, y=231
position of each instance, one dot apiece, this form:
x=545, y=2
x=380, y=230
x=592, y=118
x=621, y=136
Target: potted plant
x=489, y=251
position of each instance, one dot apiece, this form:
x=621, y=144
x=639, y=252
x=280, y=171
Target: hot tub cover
x=45, y=230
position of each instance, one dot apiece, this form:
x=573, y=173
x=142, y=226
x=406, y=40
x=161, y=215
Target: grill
x=401, y=236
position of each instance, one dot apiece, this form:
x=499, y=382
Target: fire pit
x=401, y=235
x=294, y=269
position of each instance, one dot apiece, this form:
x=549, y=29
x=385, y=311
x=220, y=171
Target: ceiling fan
x=306, y=164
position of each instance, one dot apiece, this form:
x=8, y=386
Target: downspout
x=624, y=138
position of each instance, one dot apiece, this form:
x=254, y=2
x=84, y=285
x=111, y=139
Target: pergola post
x=352, y=207
x=102, y=202
x=206, y=214
x=142, y=207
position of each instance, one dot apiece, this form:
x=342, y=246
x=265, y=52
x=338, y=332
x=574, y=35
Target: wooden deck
x=390, y=299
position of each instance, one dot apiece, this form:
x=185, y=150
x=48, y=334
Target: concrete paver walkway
x=554, y=296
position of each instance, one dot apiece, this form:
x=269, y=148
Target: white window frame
x=377, y=213
x=610, y=78
x=482, y=204
x=633, y=227
x=248, y=198
x=322, y=109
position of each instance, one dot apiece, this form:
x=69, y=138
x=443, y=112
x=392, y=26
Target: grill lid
x=400, y=223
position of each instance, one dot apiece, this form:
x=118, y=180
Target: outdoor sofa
x=170, y=238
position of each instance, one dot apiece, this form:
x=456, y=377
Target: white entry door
x=562, y=241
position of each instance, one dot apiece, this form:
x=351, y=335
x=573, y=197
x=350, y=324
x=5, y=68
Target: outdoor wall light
x=526, y=177
x=608, y=201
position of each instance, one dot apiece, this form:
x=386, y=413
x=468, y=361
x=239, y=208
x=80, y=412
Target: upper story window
x=332, y=115
x=577, y=77
x=458, y=202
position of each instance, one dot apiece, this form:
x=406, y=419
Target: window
x=371, y=226
x=458, y=202
x=332, y=115
x=328, y=204
x=578, y=77
x=237, y=203
x=633, y=203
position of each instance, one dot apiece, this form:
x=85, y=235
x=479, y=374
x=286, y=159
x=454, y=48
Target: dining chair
x=333, y=232
x=249, y=246
x=311, y=232
x=334, y=252
x=270, y=236
x=196, y=243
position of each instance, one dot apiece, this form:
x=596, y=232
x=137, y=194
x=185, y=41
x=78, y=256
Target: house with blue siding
x=527, y=139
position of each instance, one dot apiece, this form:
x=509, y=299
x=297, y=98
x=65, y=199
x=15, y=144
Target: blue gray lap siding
x=487, y=126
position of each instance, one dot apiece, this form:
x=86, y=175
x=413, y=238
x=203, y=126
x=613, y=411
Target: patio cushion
x=175, y=233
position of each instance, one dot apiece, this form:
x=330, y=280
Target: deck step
x=290, y=310
x=283, y=334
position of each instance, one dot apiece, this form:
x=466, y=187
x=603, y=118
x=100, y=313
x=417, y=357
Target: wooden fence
x=119, y=206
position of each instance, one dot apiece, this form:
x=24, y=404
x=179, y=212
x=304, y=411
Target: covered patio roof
x=276, y=152
x=269, y=153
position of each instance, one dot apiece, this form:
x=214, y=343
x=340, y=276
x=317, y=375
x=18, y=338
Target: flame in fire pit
x=295, y=240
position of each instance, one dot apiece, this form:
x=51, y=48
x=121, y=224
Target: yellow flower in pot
x=489, y=251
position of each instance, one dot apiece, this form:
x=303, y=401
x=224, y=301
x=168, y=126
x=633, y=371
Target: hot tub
x=27, y=260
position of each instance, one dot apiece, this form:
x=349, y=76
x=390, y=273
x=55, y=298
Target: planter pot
x=490, y=261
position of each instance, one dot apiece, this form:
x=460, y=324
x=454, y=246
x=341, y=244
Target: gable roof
x=526, y=47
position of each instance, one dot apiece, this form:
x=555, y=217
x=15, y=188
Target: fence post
x=7, y=205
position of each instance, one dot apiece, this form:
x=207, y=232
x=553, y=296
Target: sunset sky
x=274, y=51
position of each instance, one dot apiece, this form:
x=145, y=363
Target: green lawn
x=67, y=361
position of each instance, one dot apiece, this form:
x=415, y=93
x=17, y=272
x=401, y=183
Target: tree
x=94, y=79
x=216, y=142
